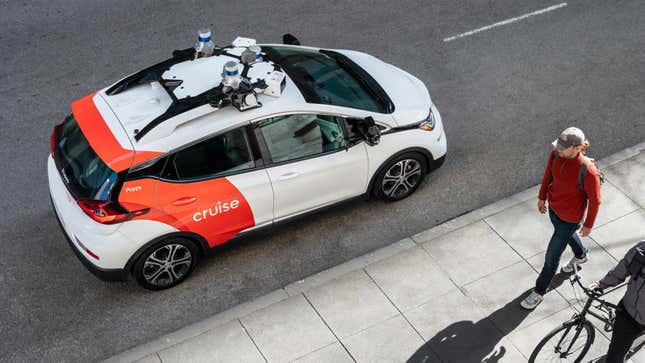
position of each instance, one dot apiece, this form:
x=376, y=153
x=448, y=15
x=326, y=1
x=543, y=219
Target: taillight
x=54, y=137
x=108, y=212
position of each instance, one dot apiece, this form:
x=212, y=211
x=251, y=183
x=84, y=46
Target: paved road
x=504, y=94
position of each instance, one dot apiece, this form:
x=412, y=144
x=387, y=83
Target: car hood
x=409, y=95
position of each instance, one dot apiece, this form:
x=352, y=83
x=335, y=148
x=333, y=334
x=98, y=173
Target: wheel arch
x=427, y=155
x=200, y=243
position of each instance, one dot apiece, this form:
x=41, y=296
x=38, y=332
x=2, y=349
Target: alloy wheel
x=401, y=178
x=167, y=264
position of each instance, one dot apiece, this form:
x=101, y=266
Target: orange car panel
x=101, y=139
x=214, y=209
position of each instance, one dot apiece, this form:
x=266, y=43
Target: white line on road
x=507, y=21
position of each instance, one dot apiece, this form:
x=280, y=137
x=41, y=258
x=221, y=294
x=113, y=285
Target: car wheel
x=166, y=263
x=400, y=177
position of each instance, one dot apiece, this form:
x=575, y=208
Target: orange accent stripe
x=101, y=139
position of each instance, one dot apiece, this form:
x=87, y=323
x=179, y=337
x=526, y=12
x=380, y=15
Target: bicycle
x=571, y=340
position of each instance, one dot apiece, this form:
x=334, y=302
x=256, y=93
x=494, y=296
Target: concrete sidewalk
x=450, y=293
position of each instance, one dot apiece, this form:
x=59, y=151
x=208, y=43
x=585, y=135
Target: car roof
x=140, y=104
x=133, y=103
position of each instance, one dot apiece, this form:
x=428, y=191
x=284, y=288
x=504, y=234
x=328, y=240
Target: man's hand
x=593, y=286
x=584, y=231
x=542, y=206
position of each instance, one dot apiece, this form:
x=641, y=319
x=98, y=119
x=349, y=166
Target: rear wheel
x=166, y=263
x=567, y=343
x=400, y=177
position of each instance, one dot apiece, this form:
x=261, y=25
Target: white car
x=149, y=174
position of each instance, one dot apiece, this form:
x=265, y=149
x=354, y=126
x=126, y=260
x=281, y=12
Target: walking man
x=630, y=314
x=571, y=185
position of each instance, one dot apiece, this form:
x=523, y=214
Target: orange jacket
x=560, y=188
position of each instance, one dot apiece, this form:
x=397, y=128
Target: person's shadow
x=468, y=341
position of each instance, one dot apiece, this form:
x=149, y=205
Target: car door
x=312, y=162
x=217, y=187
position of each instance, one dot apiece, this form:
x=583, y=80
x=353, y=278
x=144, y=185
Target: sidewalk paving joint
x=393, y=304
x=252, y=340
x=328, y=327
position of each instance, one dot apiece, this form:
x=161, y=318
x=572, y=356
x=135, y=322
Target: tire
x=166, y=264
x=400, y=177
x=561, y=338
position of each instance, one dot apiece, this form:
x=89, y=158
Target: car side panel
x=305, y=185
x=256, y=188
x=216, y=209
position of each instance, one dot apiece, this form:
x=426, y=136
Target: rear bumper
x=101, y=273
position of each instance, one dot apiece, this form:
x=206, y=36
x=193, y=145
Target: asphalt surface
x=504, y=95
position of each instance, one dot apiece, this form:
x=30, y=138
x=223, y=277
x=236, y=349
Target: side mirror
x=290, y=39
x=369, y=131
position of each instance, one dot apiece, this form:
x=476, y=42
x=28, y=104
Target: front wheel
x=400, y=177
x=166, y=263
x=567, y=343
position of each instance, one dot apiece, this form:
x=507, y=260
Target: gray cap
x=571, y=136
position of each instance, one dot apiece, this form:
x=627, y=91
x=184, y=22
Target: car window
x=223, y=153
x=296, y=136
x=83, y=170
x=151, y=168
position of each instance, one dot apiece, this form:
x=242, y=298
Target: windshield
x=85, y=174
x=328, y=77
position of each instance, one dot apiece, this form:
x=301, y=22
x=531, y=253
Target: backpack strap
x=582, y=173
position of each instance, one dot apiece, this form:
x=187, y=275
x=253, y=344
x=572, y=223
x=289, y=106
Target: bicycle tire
x=569, y=328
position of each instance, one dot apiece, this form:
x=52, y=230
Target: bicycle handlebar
x=595, y=293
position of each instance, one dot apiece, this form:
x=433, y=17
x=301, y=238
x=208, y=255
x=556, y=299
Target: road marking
x=507, y=21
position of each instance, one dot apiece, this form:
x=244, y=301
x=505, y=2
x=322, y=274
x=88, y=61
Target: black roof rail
x=153, y=73
x=178, y=106
x=214, y=96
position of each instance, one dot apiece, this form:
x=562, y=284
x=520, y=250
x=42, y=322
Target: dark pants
x=563, y=235
x=626, y=330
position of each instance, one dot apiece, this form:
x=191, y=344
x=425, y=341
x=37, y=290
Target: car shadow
x=468, y=341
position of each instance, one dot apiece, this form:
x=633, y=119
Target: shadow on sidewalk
x=467, y=341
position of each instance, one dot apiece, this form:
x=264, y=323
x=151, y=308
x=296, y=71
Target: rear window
x=85, y=174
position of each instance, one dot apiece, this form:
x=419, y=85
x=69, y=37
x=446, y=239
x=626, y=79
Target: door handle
x=289, y=175
x=184, y=201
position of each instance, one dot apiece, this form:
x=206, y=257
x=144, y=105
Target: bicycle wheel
x=567, y=343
